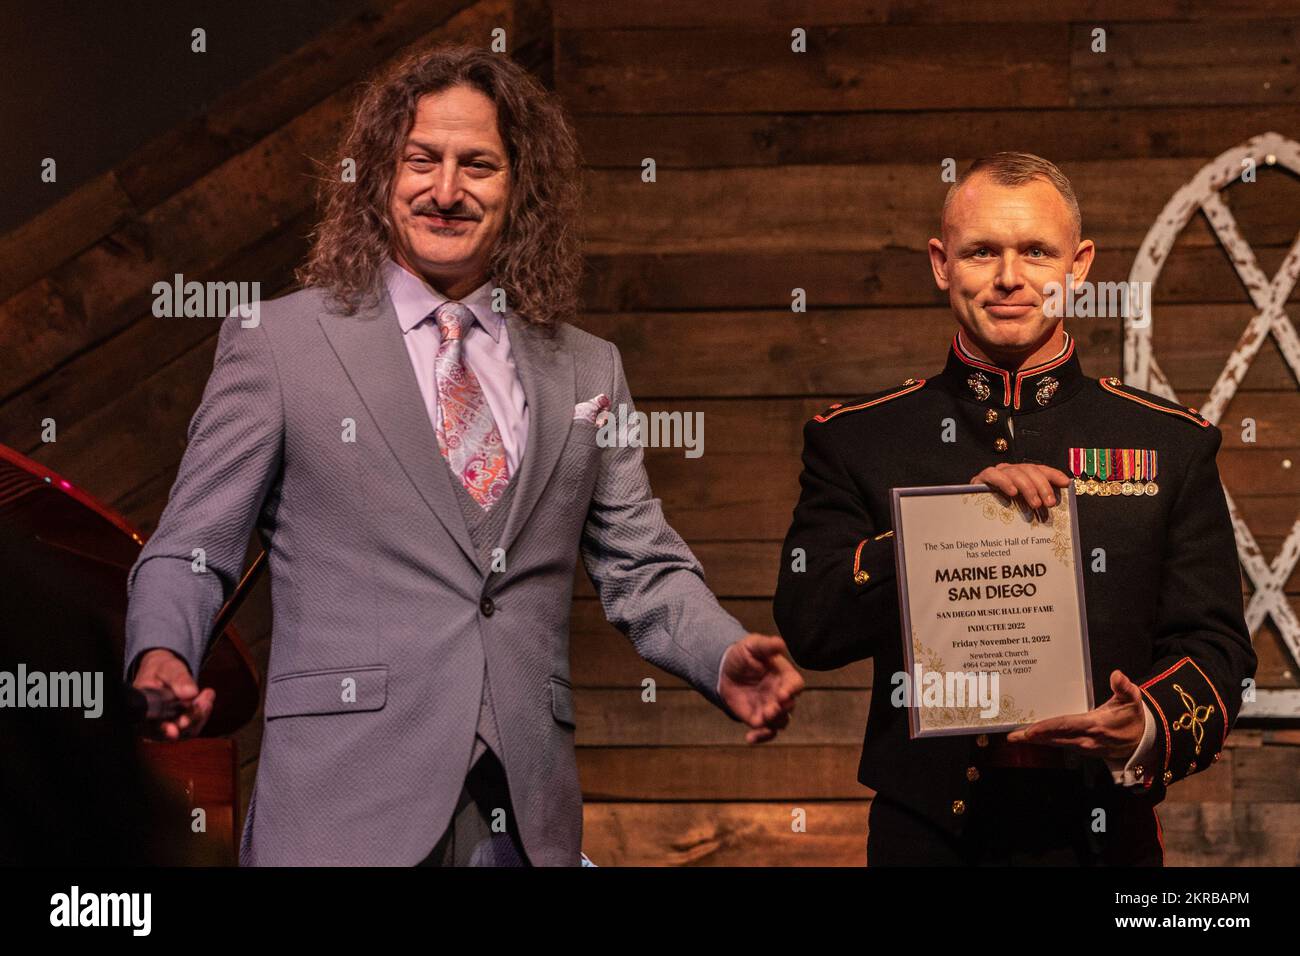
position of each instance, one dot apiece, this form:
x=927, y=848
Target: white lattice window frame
x=1269, y=297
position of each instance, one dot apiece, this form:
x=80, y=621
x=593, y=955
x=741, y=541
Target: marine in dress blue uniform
x=1167, y=610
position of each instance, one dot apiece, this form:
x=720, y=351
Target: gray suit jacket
x=382, y=616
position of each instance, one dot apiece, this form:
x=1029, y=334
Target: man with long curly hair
x=416, y=433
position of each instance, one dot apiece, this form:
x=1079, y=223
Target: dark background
x=87, y=82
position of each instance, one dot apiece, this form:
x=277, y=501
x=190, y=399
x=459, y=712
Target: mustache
x=455, y=212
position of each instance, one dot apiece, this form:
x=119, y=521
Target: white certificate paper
x=993, y=616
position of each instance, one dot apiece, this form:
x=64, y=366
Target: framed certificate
x=994, y=623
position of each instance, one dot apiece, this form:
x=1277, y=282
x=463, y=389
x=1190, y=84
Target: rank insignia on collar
x=1114, y=471
x=979, y=384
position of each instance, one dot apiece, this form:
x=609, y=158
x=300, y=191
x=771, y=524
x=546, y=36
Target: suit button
x=972, y=774
x=982, y=740
x=1000, y=444
x=1168, y=778
x=958, y=807
x=991, y=416
x=862, y=577
x=487, y=607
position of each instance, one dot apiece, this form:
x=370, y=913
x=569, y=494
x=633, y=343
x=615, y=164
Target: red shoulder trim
x=1110, y=383
x=912, y=385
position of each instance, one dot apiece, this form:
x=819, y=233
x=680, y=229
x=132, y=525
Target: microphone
x=151, y=703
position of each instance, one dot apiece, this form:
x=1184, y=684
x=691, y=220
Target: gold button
x=1217, y=756
x=1168, y=778
x=991, y=415
x=1138, y=771
x=1000, y=444
x=1192, y=768
x=862, y=577
x=958, y=807
x=982, y=740
x=972, y=774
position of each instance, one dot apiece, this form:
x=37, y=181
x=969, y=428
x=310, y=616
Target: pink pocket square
x=591, y=409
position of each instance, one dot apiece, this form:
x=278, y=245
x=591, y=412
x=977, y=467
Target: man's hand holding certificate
x=991, y=594
x=1114, y=729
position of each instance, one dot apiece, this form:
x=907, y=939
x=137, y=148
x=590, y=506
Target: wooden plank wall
x=775, y=171
x=820, y=171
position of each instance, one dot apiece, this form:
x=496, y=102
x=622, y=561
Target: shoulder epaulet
x=840, y=408
x=1113, y=385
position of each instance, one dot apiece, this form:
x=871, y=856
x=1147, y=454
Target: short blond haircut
x=1019, y=169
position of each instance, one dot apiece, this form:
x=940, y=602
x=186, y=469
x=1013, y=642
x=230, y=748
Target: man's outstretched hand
x=760, y=684
x=1112, y=730
x=163, y=671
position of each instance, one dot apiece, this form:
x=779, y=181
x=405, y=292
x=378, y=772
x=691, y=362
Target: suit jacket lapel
x=370, y=346
x=546, y=373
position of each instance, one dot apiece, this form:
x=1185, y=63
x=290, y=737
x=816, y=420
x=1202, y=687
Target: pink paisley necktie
x=468, y=436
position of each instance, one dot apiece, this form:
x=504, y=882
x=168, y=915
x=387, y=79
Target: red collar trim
x=1061, y=358
x=1010, y=394
x=960, y=348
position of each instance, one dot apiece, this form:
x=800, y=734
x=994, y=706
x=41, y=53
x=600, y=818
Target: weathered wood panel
x=584, y=15
x=825, y=208
x=747, y=68
x=1176, y=64
x=719, y=141
x=831, y=833
x=683, y=718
